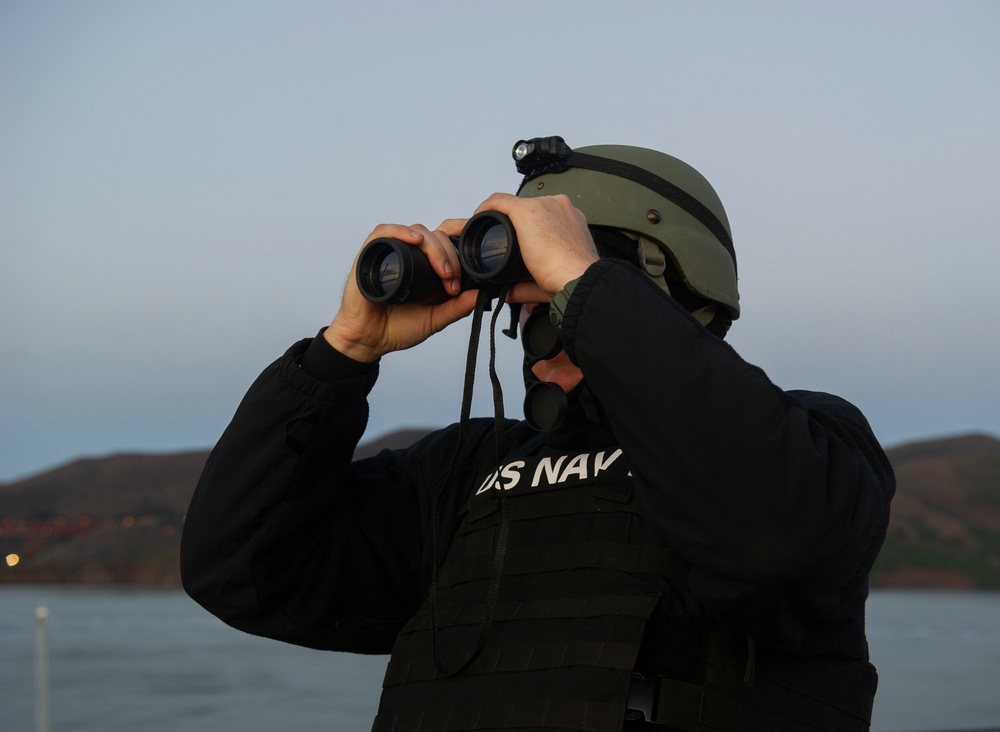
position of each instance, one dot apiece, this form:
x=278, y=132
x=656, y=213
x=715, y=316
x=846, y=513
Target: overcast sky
x=183, y=186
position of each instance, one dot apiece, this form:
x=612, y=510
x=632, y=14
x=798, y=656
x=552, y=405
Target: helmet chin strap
x=705, y=315
x=653, y=262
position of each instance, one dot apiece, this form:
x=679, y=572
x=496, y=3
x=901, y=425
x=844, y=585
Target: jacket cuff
x=324, y=362
x=573, y=308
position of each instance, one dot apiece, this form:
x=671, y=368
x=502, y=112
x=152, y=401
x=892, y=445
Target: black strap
x=634, y=558
x=500, y=551
x=618, y=656
x=665, y=188
x=498, y=413
x=565, y=609
x=673, y=193
x=761, y=694
x=465, y=713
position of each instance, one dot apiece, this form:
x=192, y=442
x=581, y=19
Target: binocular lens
x=489, y=251
x=540, y=337
x=388, y=273
x=493, y=247
x=545, y=406
x=393, y=272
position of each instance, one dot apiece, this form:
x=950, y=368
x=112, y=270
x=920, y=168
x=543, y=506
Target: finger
x=408, y=234
x=502, y=202
x=453, y=310
x=452, y=227
x=528, y=292
x=447, y=235
x=443, y=256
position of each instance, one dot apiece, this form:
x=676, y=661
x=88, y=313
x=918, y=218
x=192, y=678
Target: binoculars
x=395, y=273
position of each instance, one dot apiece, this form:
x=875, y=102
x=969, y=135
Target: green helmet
x=648, y=194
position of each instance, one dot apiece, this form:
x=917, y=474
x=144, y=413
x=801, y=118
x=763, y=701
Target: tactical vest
x=582, y=577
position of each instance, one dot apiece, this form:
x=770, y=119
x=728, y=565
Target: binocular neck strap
x=500, y=551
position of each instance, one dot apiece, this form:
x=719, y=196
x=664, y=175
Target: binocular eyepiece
x=545, y=404
x=395, y=273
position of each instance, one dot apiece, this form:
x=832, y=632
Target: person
x=681, y=544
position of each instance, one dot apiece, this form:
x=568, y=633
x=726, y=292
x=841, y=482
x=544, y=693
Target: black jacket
x=776, y=502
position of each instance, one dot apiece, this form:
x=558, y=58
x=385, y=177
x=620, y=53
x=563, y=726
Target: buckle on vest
x=642, y=694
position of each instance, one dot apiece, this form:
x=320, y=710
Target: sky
x=183, y=186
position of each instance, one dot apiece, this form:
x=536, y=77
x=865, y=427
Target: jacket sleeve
x=778, y=502
x=285, y=537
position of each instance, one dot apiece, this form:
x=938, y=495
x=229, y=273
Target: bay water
x=124, y=660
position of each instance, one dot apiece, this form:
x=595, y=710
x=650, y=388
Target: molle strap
x=559, y=655
x=550, y=659
x=556, y=503
x=642, y=559
x=565, y=608
x=783, y=692
x=469, y=713
x=517, y=659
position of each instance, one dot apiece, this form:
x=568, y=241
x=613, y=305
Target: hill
x=113, y=519
x=118, y=519
x=944, y=529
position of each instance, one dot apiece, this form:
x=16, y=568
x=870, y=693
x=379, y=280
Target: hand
x=555, y=243
x=365, y=331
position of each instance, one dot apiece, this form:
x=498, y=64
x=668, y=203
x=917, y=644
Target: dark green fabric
x=566, y=631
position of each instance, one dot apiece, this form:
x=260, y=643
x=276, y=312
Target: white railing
x=43, y=710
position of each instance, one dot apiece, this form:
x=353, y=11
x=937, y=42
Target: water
x=150, y=661
x=153, y=660
x=938, y=656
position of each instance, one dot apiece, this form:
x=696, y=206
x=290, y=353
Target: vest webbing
x=566, y=629
x=770, y=692
x=582, y=578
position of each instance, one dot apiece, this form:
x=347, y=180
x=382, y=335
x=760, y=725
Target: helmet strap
x=543, y=155
x=705, y=315
x=654, y=262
